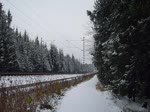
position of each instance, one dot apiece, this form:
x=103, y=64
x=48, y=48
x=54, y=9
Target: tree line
x=122, y=45
x=19, y=53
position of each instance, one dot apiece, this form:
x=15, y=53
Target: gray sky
x=58, y=20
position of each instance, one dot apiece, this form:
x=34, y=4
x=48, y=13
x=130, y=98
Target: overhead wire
x=57, y=33
x=46, y=24
x=34, y=12
x=28, y=17
x=74, y=45
x=24, y=21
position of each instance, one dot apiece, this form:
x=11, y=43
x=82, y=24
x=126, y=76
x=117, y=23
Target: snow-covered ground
x=86, y=98
x=7, y=81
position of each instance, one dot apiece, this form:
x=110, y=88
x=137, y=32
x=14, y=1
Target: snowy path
x=85, y=98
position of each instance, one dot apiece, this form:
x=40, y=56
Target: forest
x=20, y=53
x=45, y=78
x=122, y=45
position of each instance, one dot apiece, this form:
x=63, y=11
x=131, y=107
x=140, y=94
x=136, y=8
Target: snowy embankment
x=7, y=81
x=87, y=98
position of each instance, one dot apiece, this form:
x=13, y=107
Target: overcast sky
x=56, y=21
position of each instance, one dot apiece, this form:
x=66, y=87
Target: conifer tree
x=121, y=45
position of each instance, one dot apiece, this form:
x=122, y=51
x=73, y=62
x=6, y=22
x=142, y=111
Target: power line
x=84, y=47
x=31, y=19
x=28, y=17
x=74, y=45
x=50, y=24
x=36, y=23
x=34, y=12
x=21, y=12
x=80, y=48
x=74, y=40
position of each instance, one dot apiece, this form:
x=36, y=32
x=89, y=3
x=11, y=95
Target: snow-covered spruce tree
x=7, y=47
x=20, y=52
x=68, y=63
x=122, y=46
x=73, y=64
x=27, y=53
x=104, y=39
x=44, y=53
x=61, y=62
x=54, y=58
x=36, y=59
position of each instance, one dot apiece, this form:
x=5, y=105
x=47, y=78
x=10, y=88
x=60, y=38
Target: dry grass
x=99, y=87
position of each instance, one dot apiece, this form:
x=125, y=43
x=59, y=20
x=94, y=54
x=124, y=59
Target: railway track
x=40, y=83
x=26, y=74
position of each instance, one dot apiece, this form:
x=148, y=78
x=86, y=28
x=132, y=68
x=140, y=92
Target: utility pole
x=83, y=50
